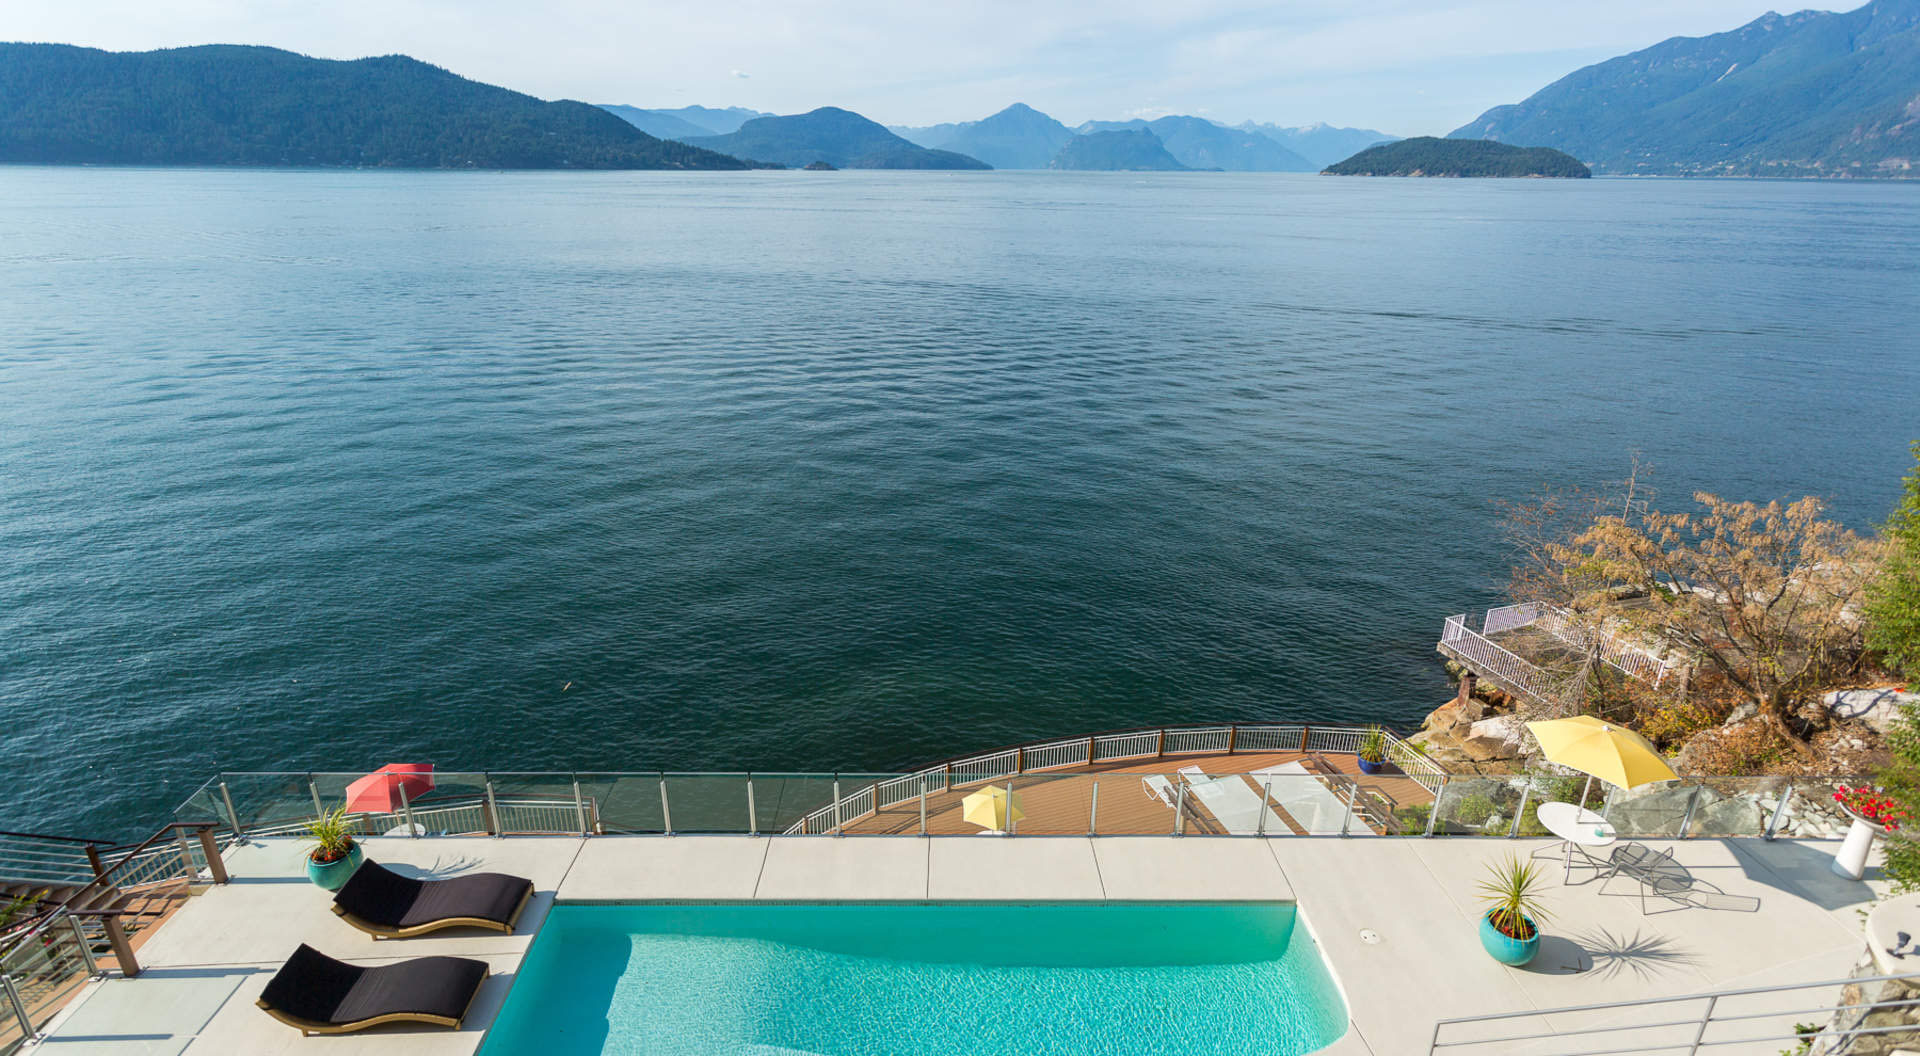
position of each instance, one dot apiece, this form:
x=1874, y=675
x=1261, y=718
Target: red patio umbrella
x=379, y=792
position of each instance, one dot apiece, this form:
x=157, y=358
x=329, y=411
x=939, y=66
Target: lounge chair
x=1658, y=874
x=1159, y=788
x=319, y=995
x=386, y=905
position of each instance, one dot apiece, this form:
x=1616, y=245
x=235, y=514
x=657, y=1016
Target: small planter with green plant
x=335, y=854
x=1510, y=929
x=1373, y=750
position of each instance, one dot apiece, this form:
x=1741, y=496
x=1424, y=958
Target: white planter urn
x=1851, y=860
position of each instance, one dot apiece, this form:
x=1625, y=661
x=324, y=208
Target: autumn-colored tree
x=1766, y=595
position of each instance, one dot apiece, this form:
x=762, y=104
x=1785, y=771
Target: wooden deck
x=1061, y=802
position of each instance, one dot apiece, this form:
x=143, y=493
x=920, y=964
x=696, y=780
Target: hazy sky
x=1404, y=67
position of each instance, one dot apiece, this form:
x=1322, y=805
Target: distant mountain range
x=685, y=121
x=1428, y=156
x=1320, y=144
x=1811, y=94
x=1018, y=137
x=1201, y=144
x=840, y=138
x=1117, y=150
x=1021, y=137
x=238, y=105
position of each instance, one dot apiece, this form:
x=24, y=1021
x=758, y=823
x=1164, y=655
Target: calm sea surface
x=322, y=470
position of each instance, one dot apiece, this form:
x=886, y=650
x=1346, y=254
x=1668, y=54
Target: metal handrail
x=75, y=904
x=1706, y=1019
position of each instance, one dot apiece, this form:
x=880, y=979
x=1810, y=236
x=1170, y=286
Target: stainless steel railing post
x=1180, y=809
x=1686, y=820
x=753, y=816
x=233, y=815
x=1525, y=795
x=1433, y=812
x=319, y=810
x=923, y=804
x=1779, y=811
x=666, y=811
x=580, y=806
x=1093, y=810
x=1353, y=793
x=19, y=1008
x=406, y=810
x=1706, y=1017
x=1011, y=820
x=836, y=806
x=494, y=828
x=1266, y=797
x=86, y=948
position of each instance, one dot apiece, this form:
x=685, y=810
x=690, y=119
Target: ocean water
x=324, y=470
x=954, y=979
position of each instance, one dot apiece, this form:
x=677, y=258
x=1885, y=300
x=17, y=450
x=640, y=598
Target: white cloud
x=1346, y=61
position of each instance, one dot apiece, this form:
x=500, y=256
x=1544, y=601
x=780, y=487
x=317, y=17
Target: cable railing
x=57, y=949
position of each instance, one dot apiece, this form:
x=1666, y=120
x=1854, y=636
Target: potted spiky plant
x=1372, y=752
x=335, y=854
x=1510, y=929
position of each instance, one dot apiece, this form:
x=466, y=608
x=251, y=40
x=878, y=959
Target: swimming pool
x=927, y=979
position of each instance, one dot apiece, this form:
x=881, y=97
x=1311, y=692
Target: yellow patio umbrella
x=993, y=807
x=1612, y=753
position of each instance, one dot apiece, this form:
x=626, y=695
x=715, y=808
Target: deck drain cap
x=1370, y=936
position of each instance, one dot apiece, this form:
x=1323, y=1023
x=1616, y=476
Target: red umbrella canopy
x=379, y=792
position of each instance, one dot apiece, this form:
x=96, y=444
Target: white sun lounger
x=1159, y=788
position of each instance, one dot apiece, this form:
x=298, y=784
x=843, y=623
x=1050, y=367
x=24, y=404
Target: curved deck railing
x=1115, y=746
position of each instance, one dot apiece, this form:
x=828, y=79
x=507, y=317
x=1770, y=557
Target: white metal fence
x=849, y=806
x=1613, y=645
x=1496, y=663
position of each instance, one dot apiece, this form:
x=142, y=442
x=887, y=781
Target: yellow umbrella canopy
x=1613, y=754
x=990, y=807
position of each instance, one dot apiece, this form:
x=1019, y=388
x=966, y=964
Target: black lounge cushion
x=384, y=898
x=314, y=987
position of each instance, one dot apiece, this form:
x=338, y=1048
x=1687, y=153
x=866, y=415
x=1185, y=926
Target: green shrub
x=1893, y=602
x=1473, y=809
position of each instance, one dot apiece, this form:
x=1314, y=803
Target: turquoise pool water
x=941, y=979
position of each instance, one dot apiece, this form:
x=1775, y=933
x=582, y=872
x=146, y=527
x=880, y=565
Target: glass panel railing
x=44, y=966
x=1134, y=804
x=783, y=801
x=708, y=803
x=1479, y=806
x=1810, y=811
x=1324, y=794
x=624, y=803
x=538, y=804
x=1733, y=806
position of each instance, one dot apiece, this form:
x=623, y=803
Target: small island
x=1431, y=156
x=820, y=166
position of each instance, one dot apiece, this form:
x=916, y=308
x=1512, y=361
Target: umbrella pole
x=1585, y=790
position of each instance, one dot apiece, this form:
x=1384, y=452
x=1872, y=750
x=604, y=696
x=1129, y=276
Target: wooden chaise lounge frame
x=373, y=875
x=325, y=983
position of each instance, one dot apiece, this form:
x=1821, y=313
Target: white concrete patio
x=1415, y=897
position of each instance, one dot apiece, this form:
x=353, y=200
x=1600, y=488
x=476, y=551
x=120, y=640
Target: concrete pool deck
x=1420, y=959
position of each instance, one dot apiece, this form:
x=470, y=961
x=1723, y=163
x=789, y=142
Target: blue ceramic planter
x=330, y=875
x=1509, y=951
x=1371, y=768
